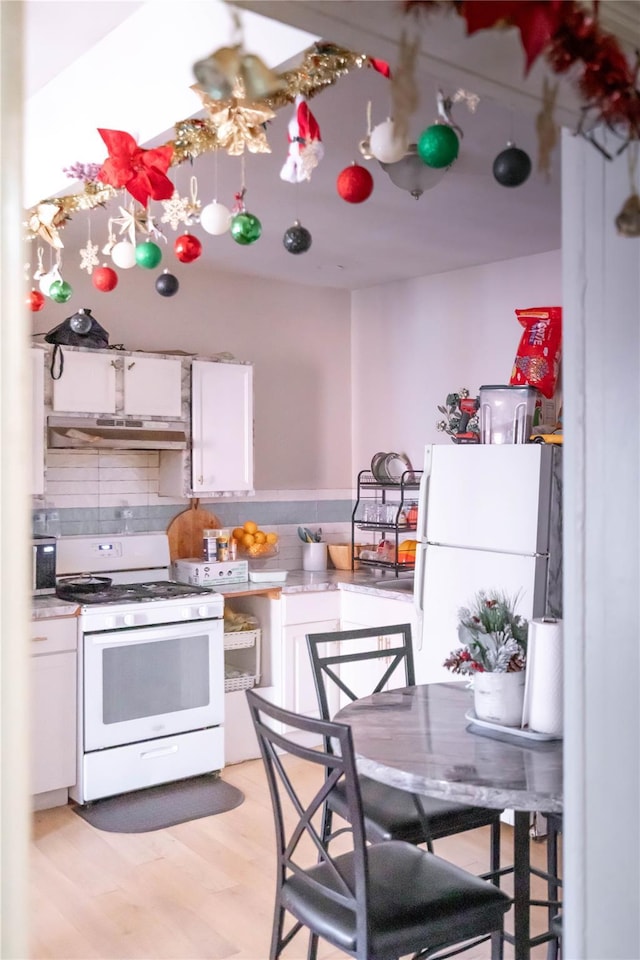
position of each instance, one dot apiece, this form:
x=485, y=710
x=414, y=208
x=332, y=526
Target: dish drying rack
x=381, y=508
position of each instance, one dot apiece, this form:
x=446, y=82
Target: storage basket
x=241, y=638
x=244, y=682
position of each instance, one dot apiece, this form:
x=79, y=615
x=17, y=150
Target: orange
x=248, y=540
x=238, y=534
x=250, y=526
x=272, y=538
x=260, y=536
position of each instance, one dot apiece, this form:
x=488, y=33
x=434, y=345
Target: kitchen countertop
x=298, y=581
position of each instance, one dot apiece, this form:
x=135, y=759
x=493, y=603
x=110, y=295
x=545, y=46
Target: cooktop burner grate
x=131, y=592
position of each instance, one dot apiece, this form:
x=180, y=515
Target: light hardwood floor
x=202, y=890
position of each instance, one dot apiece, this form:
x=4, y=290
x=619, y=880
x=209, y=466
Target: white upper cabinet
x=87, y=383
x=222, y=427
x=152, y=387
x=122, y=384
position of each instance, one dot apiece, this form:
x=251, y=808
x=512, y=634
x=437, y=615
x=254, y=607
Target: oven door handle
x=159, y=752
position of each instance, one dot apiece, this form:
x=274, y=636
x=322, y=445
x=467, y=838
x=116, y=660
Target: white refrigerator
x=489, y=518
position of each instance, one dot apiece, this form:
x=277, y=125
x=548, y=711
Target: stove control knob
x=129, y=619
x=203, y=611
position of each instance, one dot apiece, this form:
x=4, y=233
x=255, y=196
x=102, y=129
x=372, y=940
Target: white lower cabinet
x=53, y=709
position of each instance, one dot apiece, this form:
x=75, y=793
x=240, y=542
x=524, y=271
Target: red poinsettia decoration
x=537, y=20
x=141, y=172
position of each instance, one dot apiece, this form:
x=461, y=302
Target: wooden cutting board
x=185, y=531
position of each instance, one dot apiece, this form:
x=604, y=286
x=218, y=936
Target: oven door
x=151, y=682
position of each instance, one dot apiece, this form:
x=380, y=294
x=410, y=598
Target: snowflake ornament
x=176, y=211
x=89, y=257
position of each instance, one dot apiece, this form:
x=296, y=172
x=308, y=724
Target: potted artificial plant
x=493, y=653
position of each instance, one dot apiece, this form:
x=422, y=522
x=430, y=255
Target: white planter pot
x=499, y=697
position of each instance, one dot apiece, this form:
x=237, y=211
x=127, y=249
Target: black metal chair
x=389, y=813
x=375, y=902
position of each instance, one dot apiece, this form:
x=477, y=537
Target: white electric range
x=150, y=665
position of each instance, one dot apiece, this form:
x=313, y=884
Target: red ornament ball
x=187, y=248
x=104, y=279
x=35, y=301
x=355, y=184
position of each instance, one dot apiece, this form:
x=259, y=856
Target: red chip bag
x=538, y=358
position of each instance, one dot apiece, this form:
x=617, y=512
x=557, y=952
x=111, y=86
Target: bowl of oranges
x=254, y=543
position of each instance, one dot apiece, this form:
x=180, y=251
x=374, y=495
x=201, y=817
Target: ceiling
x=466, y=219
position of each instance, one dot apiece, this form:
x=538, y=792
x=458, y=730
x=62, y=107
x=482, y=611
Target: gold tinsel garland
x=322, y=65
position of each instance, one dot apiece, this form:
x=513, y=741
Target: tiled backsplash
x=115, y=492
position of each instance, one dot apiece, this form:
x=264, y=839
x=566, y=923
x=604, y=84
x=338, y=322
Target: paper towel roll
x=543, y=702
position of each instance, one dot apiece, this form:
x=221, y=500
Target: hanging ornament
x=438, y=145
x=296, y=239
x=512, y=166
x=404, y=90
x=386, y=144
x=45, y=220
x=148, y=254
x=238, y=123
x=47, y=279
x=167, y=285
x=89, y=254
x=35, y=300
x=355, y=183
x=104, y=279
x=179, y=209
x=245, y=228
x=187, y=248
x=39, y=271
x=628, y=220
x=305, y=144
x=365, y=145
x=547, y=128
x=82, y=321
x=215, y=218
x=60, y=291
x=124, y=255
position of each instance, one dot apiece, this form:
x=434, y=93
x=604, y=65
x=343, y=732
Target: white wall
x=415, y=342
x=298, y=338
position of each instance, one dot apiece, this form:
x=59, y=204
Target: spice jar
x=222, y=551
x=210, y=544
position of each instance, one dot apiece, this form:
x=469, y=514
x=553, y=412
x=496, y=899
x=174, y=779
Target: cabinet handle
x=114, y=363
x=37, y=639
x=130, y=365
x=200, y=480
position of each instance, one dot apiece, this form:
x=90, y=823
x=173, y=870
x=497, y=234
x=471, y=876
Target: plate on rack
x=377, y=463
x=521, y=733
x=395, y=464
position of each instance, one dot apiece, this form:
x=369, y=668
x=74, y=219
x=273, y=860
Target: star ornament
x=141, y=172
x=238, y=123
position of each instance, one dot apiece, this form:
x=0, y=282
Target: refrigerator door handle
x=423, y=495
x=418, y=588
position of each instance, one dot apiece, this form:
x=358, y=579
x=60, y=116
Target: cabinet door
x=87, y=384
x=37, y=423
x=53, y=721
x=152, y=387
x=298, y=687
x=222, y=427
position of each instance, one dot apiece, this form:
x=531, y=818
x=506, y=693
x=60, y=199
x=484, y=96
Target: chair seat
x=391, y=814
x=417, y=902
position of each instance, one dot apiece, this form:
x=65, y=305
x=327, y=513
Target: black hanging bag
x=79, y=330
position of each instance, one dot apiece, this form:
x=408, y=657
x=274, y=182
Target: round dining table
x=423, y=739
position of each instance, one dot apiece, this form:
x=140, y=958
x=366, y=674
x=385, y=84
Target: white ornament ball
x=215, y=218
x=385, y=144
x=47, y=279
x=124, y=255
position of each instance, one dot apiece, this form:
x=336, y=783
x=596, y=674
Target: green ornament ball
x=148, y=255
x=438, y=145
x=60, y=291
x=245, y=228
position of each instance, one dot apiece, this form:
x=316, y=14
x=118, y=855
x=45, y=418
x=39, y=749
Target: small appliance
x=43, y=577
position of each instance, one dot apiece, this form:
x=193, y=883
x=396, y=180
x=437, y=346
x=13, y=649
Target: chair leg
x=312, y=951
x=494, y=853
x=276, y=933
x=497, y=945
x=425, y=822
x=553, y=886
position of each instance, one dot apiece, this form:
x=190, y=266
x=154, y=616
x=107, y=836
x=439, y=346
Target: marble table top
x=418, y=739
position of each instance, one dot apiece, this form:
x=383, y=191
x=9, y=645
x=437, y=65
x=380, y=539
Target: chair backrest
x=301, y=848
x=384, y=655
